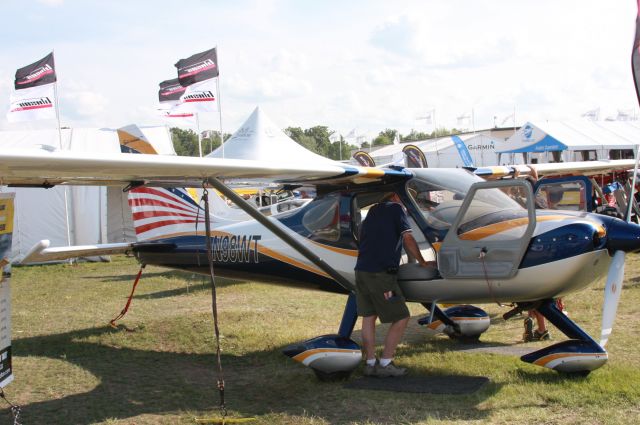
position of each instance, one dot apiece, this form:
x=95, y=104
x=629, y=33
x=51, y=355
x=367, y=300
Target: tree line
x=317, y=139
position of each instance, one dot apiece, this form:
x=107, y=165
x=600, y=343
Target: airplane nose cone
x=623, y=236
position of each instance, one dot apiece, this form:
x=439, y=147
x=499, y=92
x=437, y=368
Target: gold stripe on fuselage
x=503, y=226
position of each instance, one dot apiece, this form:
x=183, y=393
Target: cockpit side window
x=322, y=220
x=438, y=206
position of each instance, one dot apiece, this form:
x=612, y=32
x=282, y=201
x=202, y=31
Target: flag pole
x=55, y=98
x=219, y=102
x=435, y=124
x=66, y=191
x=473, y=121
x=198, y=130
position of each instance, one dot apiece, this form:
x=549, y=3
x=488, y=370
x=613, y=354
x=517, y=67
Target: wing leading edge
x=45, y=169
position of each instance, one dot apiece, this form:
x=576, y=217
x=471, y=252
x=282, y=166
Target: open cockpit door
x=490, y=233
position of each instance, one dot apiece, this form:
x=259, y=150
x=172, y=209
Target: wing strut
x=281, y=232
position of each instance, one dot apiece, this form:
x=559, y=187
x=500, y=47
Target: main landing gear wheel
x=332, y=376
x=465, y=339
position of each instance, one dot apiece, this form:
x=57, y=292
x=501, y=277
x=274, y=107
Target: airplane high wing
x=585, y=168
x=36, y=168
x=489, y=247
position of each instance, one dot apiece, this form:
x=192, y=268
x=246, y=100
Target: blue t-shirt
x=381, y=237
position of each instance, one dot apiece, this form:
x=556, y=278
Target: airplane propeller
x=612, y=291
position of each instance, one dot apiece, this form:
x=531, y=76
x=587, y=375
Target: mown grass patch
x=71, y=368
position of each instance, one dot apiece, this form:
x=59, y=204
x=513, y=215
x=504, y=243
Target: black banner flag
x=170, y=90
x=199, y=67
x=37, y=74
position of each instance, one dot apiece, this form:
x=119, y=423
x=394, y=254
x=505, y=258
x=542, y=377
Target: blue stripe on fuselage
x=564, y=242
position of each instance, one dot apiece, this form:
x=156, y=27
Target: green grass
x=70, y=367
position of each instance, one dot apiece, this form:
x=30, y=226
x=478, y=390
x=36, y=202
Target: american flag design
x=161, y=213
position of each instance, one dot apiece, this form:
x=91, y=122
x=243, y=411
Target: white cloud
x=51, y=3
x=84, y=104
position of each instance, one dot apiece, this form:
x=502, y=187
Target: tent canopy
x=572, y=135
x=258, y=138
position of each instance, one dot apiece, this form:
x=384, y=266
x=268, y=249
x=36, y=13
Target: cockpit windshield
x=439, y=193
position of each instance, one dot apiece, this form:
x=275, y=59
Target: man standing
x=382, y=235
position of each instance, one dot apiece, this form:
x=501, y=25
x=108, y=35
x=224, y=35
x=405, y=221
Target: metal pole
x=55, y=95
x=219, y=103
x=435, y=124
x=66, y=189
x=473, y=121
x=199, y=138
x=282, y=232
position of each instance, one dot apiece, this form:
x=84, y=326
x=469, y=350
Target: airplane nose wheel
x=576, y=375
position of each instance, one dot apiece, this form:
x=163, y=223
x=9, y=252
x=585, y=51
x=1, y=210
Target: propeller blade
x=612, y=292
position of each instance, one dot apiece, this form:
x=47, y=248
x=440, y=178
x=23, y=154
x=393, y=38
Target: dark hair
x=555, y=195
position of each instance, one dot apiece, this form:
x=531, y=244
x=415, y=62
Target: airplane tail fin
x=164, y=212
x=159, y=212
x=132, y=140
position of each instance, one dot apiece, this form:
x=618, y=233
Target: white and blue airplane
x=489, y=247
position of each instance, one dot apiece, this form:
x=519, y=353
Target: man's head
x=555, y=196
x=392, y=197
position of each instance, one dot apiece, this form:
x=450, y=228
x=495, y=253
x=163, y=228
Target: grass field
x=72, y=368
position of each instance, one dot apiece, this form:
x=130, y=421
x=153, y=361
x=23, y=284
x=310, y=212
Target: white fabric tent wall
x=78, y=215
x=442, y=152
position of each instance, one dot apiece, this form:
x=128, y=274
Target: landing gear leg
x=577, y=356
x=349, y=317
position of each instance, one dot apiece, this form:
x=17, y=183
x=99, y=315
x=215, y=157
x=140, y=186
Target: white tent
x=575, y=140
x=446, y=151
x=258, y=138
x=73, y=215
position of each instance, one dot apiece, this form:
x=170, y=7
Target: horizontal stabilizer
x=41, y=253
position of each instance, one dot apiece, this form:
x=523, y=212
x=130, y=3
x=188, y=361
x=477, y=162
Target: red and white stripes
x=160, y=212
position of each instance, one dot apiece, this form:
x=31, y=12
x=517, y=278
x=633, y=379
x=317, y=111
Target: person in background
x=541, y=333
x=378, y=294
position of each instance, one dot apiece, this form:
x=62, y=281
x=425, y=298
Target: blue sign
x=463, y=151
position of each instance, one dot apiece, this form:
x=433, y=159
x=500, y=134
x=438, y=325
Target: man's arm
x=411, y=246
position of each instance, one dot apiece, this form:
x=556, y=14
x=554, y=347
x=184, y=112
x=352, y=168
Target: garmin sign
x=482, y=146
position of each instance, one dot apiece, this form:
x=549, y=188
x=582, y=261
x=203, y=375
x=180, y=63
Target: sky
x=366, y=65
